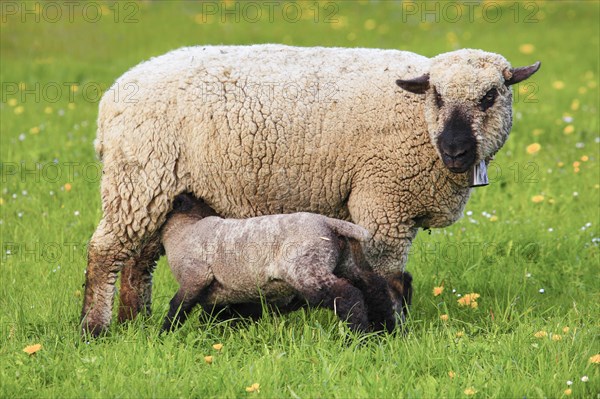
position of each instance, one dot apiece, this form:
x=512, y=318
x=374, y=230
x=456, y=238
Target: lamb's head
x=468, y=104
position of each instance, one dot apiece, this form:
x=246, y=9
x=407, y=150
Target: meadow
x=528, y=245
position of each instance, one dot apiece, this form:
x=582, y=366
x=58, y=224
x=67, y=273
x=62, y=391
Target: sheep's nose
x=455, y=153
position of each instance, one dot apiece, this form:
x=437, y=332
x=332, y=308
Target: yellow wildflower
x=218, y=347
x=469, y=300
x=438, y=290
x=208, y=359
x=12, y=102
x=470, y=391
x=536, y=199
x=568, y=129
x=540, y=334
x=370, y=24
x=533, y=148
x=568, y=391
x=558, y=84
x=451, y=374
x=444, y=317
x=253, y=388
x=565, y=329
x=595, y=359
x=526, y=48
x=493, y=218
x=19, y=110
x=556, y=337
x=575, y=105
x=31, y=349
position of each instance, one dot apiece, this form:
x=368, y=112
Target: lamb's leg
x=180, y=306
x=338, y=294
x=136, y=281
x=380, y=306
x=388, y=250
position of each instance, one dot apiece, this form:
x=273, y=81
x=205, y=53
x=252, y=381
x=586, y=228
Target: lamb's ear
x=417, y=85
x=519, y=74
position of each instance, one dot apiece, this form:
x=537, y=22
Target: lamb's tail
x=350, y=230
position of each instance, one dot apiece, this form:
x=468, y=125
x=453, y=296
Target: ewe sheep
x=265, y=129
x=230, y=261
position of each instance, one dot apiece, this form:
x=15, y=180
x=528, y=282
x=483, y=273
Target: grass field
x=528, y=244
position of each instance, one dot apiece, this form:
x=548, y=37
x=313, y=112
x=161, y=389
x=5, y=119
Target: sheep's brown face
x=468, y=105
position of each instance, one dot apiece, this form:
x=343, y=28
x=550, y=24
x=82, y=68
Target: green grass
x=507, y=258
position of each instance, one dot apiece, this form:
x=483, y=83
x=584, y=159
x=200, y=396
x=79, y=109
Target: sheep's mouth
x=457, y=144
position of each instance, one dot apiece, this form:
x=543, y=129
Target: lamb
x=227, y=261
x=383, y=138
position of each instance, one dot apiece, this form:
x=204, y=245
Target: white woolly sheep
x=277, y=257
x=265, y=129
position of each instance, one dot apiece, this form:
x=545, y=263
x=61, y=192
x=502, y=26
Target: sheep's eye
x=438, y=99
x=488, y=100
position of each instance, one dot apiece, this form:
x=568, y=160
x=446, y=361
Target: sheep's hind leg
x=136, y=281
x=106, y=256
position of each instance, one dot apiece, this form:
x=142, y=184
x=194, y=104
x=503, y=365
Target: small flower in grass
x=31, y=349
x=12, y=102
x=565, y=329
x=568, y=391
x=19, y=110
x=469, y=300
x=595, y=359
x=542, y=291
x=451, y=374
x=470, y=391
x=558, y=84
x=493, y=218
x=253, y=388
x=438, y=290
x=533, y=148
x=208, y=359
x=569, y=129
x=569, y=383
x=536, y=199
x=217, y=347
x=526, y=48
x=68, y=187
x=48, y=110
x=444, y=317
x=585, y=378
x=556, y=337
x=584, y=158
x=460, y=334
x=540, y=334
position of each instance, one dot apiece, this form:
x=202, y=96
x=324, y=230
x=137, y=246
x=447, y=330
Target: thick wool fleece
x=266, y=129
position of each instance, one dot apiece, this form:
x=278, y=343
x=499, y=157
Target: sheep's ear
x=521, y=73
x=417, y=85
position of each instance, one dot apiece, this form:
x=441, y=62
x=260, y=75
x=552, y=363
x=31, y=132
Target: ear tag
x=479, y=176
